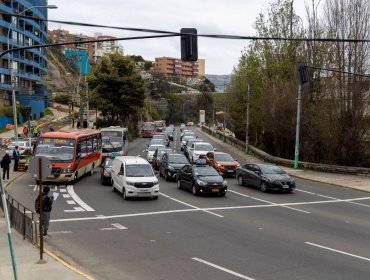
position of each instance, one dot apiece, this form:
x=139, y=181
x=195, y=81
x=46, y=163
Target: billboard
x=202, y=116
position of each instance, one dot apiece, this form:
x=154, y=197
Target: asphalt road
x=317, y=232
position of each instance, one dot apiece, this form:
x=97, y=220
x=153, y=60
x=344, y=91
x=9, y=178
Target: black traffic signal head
x=302, y=72
x=189, y=44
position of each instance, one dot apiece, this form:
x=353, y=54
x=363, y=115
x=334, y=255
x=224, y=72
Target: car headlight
x=170, y=167
x=219, y=165
x=224, y=183
x=155, y=182
x=130, y=183
x=68, y=170
x=106, y=173
x=201, y=183
x=266, y=179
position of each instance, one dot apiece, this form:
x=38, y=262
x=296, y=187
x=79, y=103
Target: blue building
x=29, y=66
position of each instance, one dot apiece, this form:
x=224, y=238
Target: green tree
x=117, y=89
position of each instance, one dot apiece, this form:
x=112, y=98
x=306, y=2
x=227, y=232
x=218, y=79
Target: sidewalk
x=357, y=182
x=27, y=255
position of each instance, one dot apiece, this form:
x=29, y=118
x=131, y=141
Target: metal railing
x=240, y=145
x=22, y=219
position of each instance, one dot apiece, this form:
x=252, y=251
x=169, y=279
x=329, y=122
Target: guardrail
x=22, y=219
x=286, y=162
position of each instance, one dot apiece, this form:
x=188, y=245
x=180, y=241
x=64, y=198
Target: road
x=317, y=232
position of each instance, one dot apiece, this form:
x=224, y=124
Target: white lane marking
x=262, y=200
x=223, y=269
x=338, y=251
x=60, y=232
x=76, y=209
x=192, y=206
x=207, y=209
x=115, y=227
x=63, y=190
x=70, y=202
x=66, y=196
x=76, y=198
x=331, y=197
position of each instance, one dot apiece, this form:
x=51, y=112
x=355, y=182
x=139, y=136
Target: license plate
x=51, y=176
x=215, y=190
x=230, y=171
x=285, y=187
x=144, y=191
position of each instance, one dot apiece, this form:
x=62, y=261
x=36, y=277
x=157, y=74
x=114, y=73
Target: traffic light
x=189, y=44
x=302, y=70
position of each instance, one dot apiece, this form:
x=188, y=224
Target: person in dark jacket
x=5, y=164
x=16, y=156
x=47, y=203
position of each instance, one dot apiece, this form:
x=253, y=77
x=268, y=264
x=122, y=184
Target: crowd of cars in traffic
x=200, y=169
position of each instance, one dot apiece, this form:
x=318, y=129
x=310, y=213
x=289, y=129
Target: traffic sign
x=45, y=167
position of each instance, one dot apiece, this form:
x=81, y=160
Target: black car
x=157, y=157
x=201, y=179
x=265, y=176
x=169, y=132
x=171, y=164
x=105, y=172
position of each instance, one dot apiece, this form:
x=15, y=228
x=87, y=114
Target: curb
x=52, y=255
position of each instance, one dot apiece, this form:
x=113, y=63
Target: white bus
x=114, y=141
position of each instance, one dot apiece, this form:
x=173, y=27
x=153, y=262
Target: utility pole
x=87, y=104
x=296, y=152
x=247, y=126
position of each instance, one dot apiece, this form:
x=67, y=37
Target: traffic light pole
x=296, y=152
x=247, y=126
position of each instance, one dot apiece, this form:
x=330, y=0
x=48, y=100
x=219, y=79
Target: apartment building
x=170, y=66
x=28, y=66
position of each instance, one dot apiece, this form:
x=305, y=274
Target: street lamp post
x=247, y=126
x=13, y=79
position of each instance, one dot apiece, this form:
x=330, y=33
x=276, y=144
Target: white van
x=134, y=177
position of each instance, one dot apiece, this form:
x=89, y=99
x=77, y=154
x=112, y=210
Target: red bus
x=148, y=129
x=160, y=125
x=72, y=153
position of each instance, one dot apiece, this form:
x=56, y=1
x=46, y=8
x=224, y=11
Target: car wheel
x=155, y=197
x=113, y=188
x=194, y=190
x=289, y=191
x=124, y=194
x=111, y=182
x=179, y=184
x=240, y=181
x=263, y=187
x=166, y=176
x=160, y=173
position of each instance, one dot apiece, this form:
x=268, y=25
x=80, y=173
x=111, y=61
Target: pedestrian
x=51, y=128
x=25, y=132
x=47, y=203
x=5, y=165
x=36, y=131
x=16, y=156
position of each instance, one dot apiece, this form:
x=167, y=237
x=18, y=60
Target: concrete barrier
x=286, y=162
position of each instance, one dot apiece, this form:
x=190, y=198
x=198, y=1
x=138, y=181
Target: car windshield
x=108, y=163
x=192, y=140
x=148, y=127
x=156, y=141
x=56, y=149
x=162, y=152
x=139, y=170
x=187, y=137
x=203, y=147
x=271, y=169
x=223, y=157
x=152, y=148
x=205, y=171
x=177, y=159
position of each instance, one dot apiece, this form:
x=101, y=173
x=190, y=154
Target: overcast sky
x=232, y=17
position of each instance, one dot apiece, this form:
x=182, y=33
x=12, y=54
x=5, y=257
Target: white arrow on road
x=116, y=227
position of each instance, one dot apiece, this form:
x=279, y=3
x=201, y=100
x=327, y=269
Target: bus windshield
x=148, y=126
x=112, y=141
x=56, y=149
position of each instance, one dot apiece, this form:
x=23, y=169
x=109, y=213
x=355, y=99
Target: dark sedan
x=265, y=176
x=171, y=164
x=201, y=179
x=105, y=172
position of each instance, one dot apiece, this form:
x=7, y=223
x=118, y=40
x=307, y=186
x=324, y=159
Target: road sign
x=45, y=167
x=202, y=116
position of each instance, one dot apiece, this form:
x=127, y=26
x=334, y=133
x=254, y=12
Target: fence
x=22, y=219
x=286, y=162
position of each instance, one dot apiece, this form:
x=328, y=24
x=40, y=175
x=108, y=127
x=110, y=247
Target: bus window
x=95, y=144
x=78, y=152
x=83, y=148
x=89, y=146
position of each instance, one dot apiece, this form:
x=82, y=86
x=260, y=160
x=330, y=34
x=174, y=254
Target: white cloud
x=234, y=17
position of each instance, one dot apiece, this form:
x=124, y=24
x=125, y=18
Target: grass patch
x=48, y=112
x=2, y=130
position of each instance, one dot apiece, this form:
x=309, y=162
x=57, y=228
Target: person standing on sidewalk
x=47, y=203
x=25, y=132
x=5, y=165
x=36, y=131
x=16, y=156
